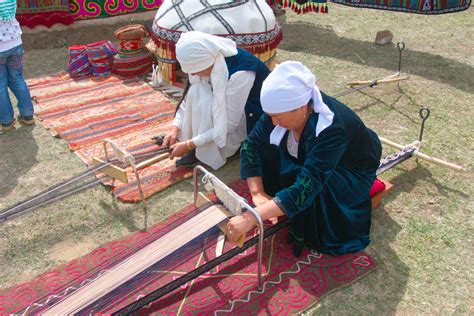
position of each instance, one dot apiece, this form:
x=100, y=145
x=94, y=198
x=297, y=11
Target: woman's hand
x=240, y=225
x=178, y=150
x=172, y=137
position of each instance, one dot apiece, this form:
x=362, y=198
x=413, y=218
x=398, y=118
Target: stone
x=383, y=37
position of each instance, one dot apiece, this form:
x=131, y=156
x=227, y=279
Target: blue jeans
x=11, y=76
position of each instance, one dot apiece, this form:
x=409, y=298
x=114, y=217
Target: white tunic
x=194, y=117
x=10, y=35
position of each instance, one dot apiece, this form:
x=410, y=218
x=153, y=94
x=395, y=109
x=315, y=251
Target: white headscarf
x=197, y=51
x=288, y=87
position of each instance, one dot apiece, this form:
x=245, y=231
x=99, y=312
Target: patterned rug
x=31, y=13
x=291, y=284
x=85, y=111
x=410, y=6
x=91, y=9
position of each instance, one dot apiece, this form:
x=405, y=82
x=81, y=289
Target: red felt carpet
x=83, y=112
x=291, y=284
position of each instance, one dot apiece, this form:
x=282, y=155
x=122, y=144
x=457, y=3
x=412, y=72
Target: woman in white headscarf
x=222, y=103
x=328, y=163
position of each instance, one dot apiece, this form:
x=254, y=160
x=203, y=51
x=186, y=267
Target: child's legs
x=6, y=108
x=17, y=83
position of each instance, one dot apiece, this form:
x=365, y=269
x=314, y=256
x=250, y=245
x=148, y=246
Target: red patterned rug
x=291, y=284
x=83, y=112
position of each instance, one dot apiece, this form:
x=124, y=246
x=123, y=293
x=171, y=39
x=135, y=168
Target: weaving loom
x=251, y=24
x=189, y=236
x=101, y=172
x=158, y=250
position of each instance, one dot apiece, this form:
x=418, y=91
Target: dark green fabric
x=326, y=190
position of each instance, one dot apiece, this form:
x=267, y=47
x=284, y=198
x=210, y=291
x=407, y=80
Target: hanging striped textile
x=410, y=6
x=7, y=9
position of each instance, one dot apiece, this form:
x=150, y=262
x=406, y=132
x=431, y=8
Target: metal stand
x=424, y=114
x=401, y=47
x=224, y=193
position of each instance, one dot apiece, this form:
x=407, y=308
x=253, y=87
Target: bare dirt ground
x=422, y=233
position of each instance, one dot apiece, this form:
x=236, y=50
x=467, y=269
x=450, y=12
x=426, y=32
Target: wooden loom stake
x=426, y=157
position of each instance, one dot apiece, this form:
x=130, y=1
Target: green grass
x=422, y=233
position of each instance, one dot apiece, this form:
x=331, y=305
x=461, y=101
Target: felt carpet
x=291, y=284
x=84, y=111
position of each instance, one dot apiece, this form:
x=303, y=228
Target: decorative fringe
x=308, y=6
x=47, y=19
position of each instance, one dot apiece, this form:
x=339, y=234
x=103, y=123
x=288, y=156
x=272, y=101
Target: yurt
x=250, y=23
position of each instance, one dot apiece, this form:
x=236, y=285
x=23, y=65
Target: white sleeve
x=237, y=94
x=198, y=140
x=178, y=118
x=204, y=138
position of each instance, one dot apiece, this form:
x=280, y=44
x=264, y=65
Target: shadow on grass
x=123, y=216
x=323, y=41
x=410, y=178
x=18, y=151
x=391, y=105
x=392, y=275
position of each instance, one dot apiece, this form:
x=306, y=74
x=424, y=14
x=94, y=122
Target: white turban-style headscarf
x=288, y=87
x=197, y=51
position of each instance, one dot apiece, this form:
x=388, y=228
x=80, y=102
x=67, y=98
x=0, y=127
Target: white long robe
x=194, y=117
